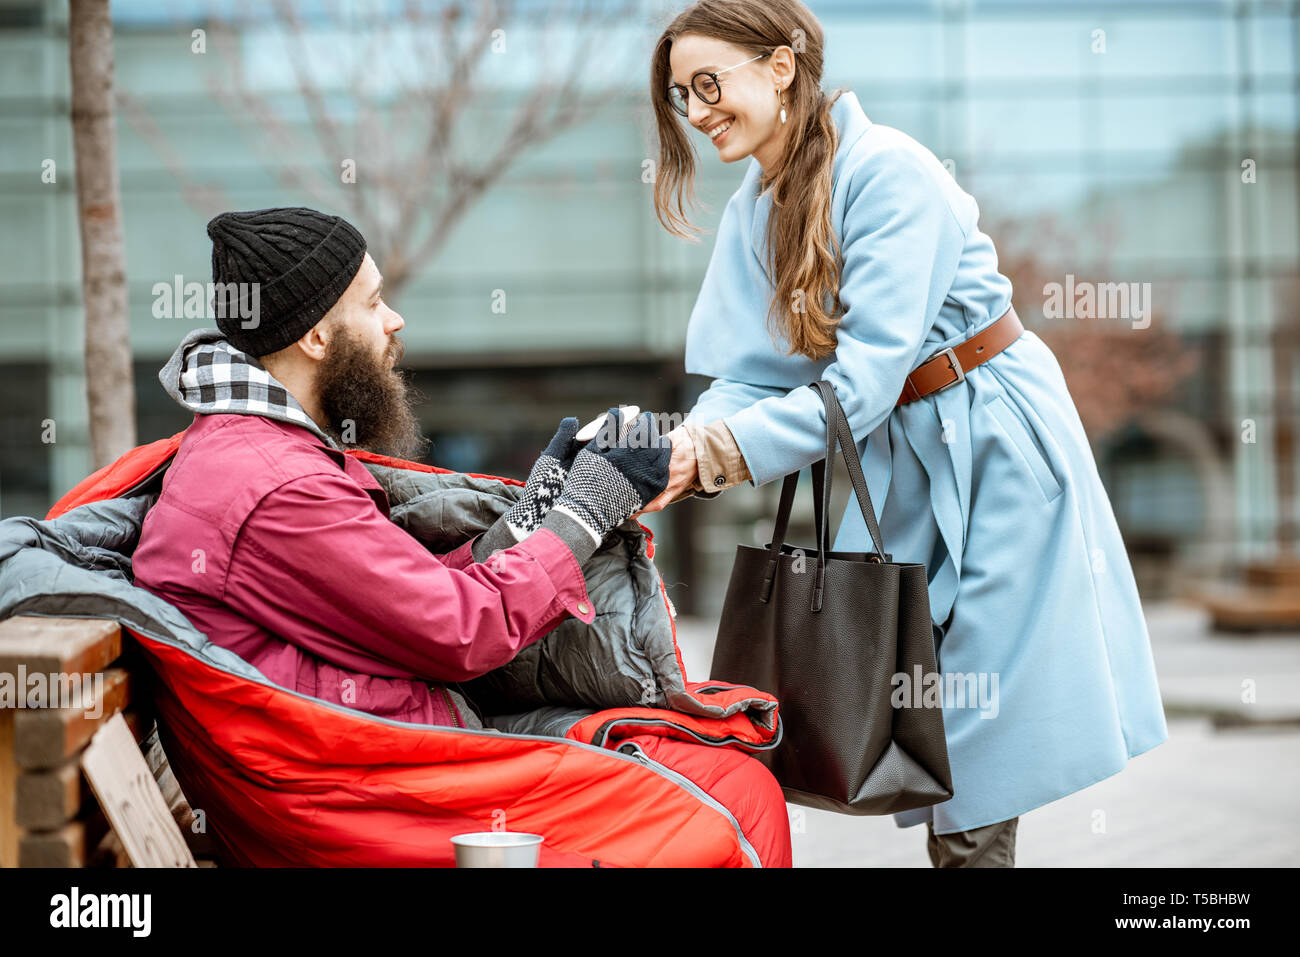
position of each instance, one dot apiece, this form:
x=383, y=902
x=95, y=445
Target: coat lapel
x=761, y=212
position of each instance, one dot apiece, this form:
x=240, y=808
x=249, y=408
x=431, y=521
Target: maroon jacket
x=280, y=549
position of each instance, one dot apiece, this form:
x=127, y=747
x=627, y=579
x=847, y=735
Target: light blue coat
x=991, y=483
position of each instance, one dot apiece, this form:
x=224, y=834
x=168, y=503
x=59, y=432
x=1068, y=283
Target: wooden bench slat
x=46, y=737
x=1249, y=608
x=65, y=847
x=8, y=791
x=58, y=645
x=130, y=796
x=48, y=798
x=58, y=787
x=71, y=845
x=1278, y=572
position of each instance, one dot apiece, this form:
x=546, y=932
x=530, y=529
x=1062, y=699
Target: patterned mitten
x=543, y=487
x=611, y=480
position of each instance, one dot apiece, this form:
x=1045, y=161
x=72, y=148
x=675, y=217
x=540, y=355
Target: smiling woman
x=733, y=71
x=850, y=254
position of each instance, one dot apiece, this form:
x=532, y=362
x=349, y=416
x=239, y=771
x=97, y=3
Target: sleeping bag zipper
x=634, y=749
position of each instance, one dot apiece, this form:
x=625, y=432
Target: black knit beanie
x=302, y=261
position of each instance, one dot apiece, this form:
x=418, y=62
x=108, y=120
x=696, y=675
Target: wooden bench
x=84, y=781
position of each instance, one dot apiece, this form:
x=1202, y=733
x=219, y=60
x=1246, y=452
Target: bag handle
x=849, y=447
x=837, y=429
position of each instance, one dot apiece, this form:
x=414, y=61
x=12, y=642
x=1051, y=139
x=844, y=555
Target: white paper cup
x=497, y=849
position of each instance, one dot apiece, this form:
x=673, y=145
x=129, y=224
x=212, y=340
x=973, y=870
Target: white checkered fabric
x=217, y=377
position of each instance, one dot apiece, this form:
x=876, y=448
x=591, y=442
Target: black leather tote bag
x=828, y=633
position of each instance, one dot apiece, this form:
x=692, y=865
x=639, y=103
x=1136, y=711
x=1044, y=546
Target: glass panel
x=1279, y=236
x=1162, y=124
x=1026, y=125
x=1038, y=46
x=1276, y=114
x=1166, y=46
x=25, y=481
x=881, y=50
x=921, y=119
x=1177, y=218
x=1021, y=190
x=1271, y=50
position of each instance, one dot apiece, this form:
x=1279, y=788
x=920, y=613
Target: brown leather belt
x=949, y=366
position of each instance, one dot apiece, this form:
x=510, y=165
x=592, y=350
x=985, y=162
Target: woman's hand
x=682, y=470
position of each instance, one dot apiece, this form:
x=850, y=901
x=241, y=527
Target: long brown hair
x=803, y=253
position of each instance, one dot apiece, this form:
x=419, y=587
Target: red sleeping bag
x=286, y=779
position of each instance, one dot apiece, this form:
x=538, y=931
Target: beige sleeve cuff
x=686, y=494
x=720, y=464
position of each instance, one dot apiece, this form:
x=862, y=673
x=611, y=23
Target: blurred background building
x=1136, y=142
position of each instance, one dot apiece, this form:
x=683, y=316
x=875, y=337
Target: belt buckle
x=956, y=366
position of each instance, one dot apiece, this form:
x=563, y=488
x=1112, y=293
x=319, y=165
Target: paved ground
x=1220, y=792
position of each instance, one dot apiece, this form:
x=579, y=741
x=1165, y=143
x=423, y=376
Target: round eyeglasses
x=705, y=86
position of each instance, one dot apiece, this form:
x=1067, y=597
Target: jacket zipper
x=451, y=706
x=729, y=739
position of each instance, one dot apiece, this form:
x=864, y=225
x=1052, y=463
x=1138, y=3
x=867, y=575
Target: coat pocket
x=1030, y=450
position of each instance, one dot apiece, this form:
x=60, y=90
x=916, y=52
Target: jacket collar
x=207, y=375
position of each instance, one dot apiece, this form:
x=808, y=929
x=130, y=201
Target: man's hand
x=610, y=479
x=682, y=471
x=540, y=492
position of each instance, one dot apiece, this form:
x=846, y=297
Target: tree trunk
x=110, y=389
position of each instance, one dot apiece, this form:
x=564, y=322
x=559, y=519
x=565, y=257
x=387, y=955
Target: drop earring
x=782, y=106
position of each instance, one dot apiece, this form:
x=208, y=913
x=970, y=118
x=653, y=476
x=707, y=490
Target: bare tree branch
x=202, y=196
x=402, y=121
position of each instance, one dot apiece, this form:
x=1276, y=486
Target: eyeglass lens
x=704, y=86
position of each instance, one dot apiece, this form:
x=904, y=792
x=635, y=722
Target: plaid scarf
x=206, y=374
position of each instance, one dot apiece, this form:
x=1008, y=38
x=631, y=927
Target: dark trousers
x=993, y=845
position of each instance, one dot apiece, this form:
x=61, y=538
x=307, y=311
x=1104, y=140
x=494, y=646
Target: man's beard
x=367, y=404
